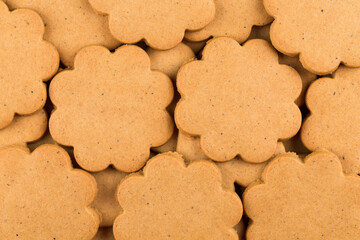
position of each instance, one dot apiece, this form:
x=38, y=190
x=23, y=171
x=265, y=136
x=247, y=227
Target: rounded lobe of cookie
x=334, y=120
x=23, y=90
x=111, y=108
x=160, y=23
x=170, y=61
x=310, y=200
x=246, y=99
x=158, y=202
x=324, y=33
x=24, y=129
x=57, y=199
x=72, y=28
x=233, y=18
x=105, y=201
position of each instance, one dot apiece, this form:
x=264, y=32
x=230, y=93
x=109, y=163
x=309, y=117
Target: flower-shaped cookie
x=233, y=18
x=70, y=25
x=334, y=122
x=105, y=201
x=294, y=62
x=24, y=129
x=111, y=108
x=310, y=200
x=325, y=33
x=43, y=197
x=26, y=61
x=161, y=24
x=239, y=100
x=172, y=201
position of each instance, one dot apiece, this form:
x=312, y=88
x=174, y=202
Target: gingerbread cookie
x=304, y=200
x=43, y=197
x=105, y=201
x=24, y=129
x=161, y=24
x=294, y=62
x=104, y=234
x=334, y=122
x=70, y=25
x=27, y=60
x=235, y=170
x=172, y=201
x=195, y=46
x=170, y=61
x=246, y=98
x=233, y=18
x=111, y=108
x=325, y=33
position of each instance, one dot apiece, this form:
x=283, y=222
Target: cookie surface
x=233, y=18
x=24, y=129
x=334, y=121
x=243, y=111
x=307, y=77
x=304, y=200
x=111, y=108
x=105, y=201
x=161, y=24
x=43, y=197
x=325, y=33
x=21, y=43
x=70, y=25
x=157, y=204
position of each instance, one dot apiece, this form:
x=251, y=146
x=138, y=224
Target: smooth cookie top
x=111, y=108
x=26, y=61
x=246, y=100
x=325, y=33
x=161, y=24
x=172, y=201
x=304, y=200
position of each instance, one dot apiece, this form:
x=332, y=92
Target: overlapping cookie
x=70, y=25
x=105, y=201
x=26, y=61
x=306, y=76
x=161, y=24
x=111, y=108
x=334, y=121
x=233, y=18
x=233, y=171
x=24, y=129
x=172, y=201
x=43, y=197
x=304, y=200
x=239, y=100
x=325, y=33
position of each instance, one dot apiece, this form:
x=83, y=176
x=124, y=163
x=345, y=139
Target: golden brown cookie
x=43, y=197
x=334, y=122
x=235, y=170
x=170, y=61
x=104, y=234
x=172, y=201
x=161, y=24
x=306, y=76
x=304, y=200
x=105, y=201
x=169, y=146
x=24, y=129
x=325, y=33
x=70, y=25
x=233, y=18
x=246, y=100
x=111, y=108
x=26, y=61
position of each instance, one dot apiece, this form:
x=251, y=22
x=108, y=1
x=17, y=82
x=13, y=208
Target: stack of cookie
x=167, y=119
